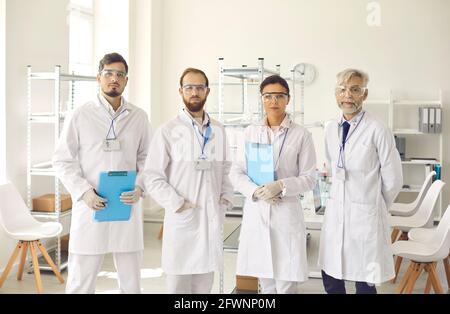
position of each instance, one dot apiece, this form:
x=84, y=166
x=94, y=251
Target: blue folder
x=111, y=186
x=260, y=165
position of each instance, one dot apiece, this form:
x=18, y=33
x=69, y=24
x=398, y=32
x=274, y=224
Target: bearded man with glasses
x=187, y=174
x=366, y=173
x=105, y=134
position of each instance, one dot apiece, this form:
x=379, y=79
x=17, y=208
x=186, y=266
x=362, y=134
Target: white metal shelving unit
x=393, y=105
x=55, y=118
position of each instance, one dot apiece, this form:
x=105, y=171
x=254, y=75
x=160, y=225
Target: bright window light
x=81, y=61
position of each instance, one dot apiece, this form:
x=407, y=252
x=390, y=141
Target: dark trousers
x=337, y=286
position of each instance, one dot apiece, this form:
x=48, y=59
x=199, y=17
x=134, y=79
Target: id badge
x=340, y=174
x=111, y=145
x=202, y=165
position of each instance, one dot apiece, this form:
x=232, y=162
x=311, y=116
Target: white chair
x=409, y=209
x=422, y=218
x=425, y=251
x=19, y=224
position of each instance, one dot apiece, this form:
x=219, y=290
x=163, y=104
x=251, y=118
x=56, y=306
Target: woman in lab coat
x=367, y=176
x=272, y=243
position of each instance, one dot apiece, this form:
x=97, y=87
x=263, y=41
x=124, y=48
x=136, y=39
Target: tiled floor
x=153, y=277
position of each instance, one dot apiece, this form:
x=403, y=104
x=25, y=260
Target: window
x=81, y=61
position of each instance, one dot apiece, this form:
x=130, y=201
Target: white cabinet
x=423, y=151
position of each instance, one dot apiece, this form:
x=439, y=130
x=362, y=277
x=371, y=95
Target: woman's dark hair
x=274, y=79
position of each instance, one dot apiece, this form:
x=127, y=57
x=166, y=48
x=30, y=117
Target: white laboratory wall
x=140, y=54
x=408, y=51
x=37, y=35
x=2, y=92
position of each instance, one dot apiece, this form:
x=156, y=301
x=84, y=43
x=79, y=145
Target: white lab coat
x=273, y=237
x=192, y=239
x=355, y=242
x=78, y=160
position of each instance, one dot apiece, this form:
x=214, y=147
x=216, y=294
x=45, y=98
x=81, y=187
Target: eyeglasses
x=275, y=96
x=189, y=89
x=110, y=73
x=353, y=90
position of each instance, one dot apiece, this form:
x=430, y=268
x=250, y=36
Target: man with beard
x=367, y=176
x=106, y=134
x=187, y=174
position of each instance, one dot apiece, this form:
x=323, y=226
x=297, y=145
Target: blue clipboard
x=111, y=186
x=260, y=164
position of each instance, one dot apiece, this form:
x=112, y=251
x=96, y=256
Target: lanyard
x=281, y=149
x=340, y=163
x=111, y=127
x=206, y=137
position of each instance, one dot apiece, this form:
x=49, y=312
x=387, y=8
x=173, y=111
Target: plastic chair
x=409, y=209
x=19, y=224
x=422, y=218
x=424, y=255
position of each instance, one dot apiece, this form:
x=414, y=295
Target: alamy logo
x=374, y=16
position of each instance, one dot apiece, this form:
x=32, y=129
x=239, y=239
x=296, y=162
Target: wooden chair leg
x=405, y=279
x=417, y=269
x=428, y=286
x=160, y=234
x=22, y=261
x=10, y=264
x=435, y=280
x=394, y=235
x=398, y=263
x=37, y=273
x=447, y=269
x=50, y=261
x=404, y=236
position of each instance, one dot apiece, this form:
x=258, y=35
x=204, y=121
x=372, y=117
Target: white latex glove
x=132, y=197
x=225, y=204
x=269, y=190
x=94, y=201
x=186, y=205
x=274, y=200
x=258, y=193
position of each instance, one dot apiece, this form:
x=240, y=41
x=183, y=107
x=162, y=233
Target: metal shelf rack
x=55, y=118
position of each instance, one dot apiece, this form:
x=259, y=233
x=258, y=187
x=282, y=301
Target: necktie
x=346, y=127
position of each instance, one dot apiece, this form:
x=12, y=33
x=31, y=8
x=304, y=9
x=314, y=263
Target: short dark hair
x=274, y=79
x=112, y=58
x=193, y=70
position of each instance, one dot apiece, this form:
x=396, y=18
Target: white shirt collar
x=286, y=124
x=185, y=115
x=104, y=102
x=354, y=120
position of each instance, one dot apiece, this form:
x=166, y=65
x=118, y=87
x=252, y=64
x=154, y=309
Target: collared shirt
x=113, y=113
x=285, y=124
x=353, y=123
x=203, y=125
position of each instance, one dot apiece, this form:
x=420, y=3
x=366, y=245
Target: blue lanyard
x=111, y=127
x=206, y=137
x=340, y=162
